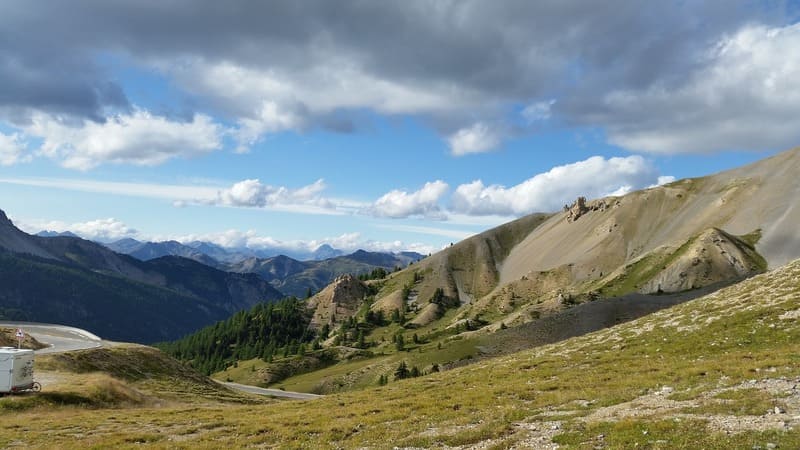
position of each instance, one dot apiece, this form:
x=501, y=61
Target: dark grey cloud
x=63, y=87
x=455, y=63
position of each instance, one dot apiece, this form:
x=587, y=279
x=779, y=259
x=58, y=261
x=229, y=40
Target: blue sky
x=385, y=126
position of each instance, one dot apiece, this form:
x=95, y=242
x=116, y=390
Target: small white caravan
x=16, y=370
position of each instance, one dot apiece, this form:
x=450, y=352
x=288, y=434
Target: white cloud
x=246, y=193
x=110, y=230
x=104, y=230
x=12, y=149
x=139, y=138
x=745, y=96
x=252, y=193
x=664, y=179
x=399, y=204
x=348, y=242
x=478, y=138
x=268, y=119
x=593, y=177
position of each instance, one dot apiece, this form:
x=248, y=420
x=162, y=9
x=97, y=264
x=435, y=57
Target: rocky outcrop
x=581, y=207
x=712, y=257
x=338, y=302
x=577, y=209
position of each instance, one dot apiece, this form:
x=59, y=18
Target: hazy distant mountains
x=146, y=251
x=209, y=253
x=298, y=277
x=289, y=275
x=56, y=234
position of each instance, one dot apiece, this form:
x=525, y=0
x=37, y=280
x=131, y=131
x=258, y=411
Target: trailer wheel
x=36, y=386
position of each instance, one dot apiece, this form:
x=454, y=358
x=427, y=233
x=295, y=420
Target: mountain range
x=210, y=253
x=73, y=281
x=690, y=234
x=629, y=253
x=549, y=276
x=288, y=275
x=299, y=277
x=681, y=236
x=145, y=291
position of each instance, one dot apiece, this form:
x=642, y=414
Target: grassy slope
x=685, y=371
x=440, y=345
x=8, y=339
x=123, y=376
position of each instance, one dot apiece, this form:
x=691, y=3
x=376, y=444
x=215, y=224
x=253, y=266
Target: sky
x=385, y=126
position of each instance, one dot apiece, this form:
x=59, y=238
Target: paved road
x=271, y=392
x=58, y=338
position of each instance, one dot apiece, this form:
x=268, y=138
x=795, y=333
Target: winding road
x=270, y=392
x=60, y=339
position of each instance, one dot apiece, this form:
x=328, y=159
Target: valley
x=658, y=318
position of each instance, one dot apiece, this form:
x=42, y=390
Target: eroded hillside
x=682, y=236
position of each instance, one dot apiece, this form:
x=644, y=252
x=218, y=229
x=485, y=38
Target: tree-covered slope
x=116, y=308
x=265, y=330
x=230, y=291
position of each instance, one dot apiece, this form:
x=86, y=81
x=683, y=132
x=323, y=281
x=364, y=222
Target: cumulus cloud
x=745, y=94
x=110, y=230
x=103, y=230
x=399, y=204
x=288, y=65
x=664, y=179
x=12, y=149
x=478, y=138
x=268, y=119
x=699, y=77
x=254, y=194
x=139, y=138
x=548, y=191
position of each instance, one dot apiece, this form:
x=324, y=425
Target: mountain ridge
x=76, y=282
x=686, y=235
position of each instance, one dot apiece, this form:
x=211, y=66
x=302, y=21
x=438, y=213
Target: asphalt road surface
x=58, y=338
x=271, y=392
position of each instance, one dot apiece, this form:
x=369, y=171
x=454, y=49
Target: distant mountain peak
x=49, y=233
x=325, y=251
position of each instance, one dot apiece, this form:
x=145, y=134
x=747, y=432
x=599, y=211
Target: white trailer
x=16, y=370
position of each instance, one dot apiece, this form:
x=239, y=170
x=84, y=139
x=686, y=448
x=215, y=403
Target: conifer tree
x=401, y=372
